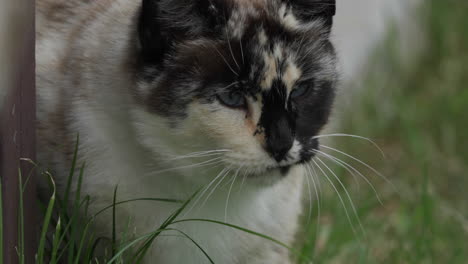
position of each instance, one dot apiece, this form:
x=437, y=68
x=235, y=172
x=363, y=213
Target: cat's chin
x=273, y=171
x=272, y=175
x=283, y=170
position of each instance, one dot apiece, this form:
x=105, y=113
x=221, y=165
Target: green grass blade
x=22, y=190
x=137, y=199
x=114, y=236
x=152, y=234
x=78, y=187
x=72, y=170
x=90, y=252
x=125, y=237
x=131, y=244
x=68, y=226
x=80, y=247
x=86, y=201
x=194, y=242
x=244, y=230
x=75, y=223
x=29, y=174
x=63, y=252
x=92, y=249
x=45, y=226
x=142, y=251
x=56, y=242
x=124, y=202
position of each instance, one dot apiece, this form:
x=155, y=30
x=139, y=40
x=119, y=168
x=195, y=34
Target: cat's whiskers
x=216, y=186
x=229, y=193
x=204, y=190
x=346, y=192
x=196, y=156
x=339, y=195
x=241, y=50
x=228, y=86
x=319, y=185
x=230, y=49
x=338, y=162
x=200, y=154
x=190, y=166
x=317, y=196
x=350, y=169
x=351, y=136
x=243, y=180
x=309, y=213
x=225, y=61
x=229, y=42
x=364, y=164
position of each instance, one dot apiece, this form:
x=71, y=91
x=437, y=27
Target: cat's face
x=254, y=79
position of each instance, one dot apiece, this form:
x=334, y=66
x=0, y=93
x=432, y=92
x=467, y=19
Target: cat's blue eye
x=299, y=91
x=232, y=99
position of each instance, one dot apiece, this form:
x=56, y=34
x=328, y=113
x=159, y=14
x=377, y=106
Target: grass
x=66, y=235
x=416, y=111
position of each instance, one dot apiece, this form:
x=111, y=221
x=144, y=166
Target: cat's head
x=252, y=80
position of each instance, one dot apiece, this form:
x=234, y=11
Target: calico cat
x=169, y=96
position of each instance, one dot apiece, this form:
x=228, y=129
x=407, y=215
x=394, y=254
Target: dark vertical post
x=17, y=133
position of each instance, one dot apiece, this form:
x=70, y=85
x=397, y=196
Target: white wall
x=359, y=24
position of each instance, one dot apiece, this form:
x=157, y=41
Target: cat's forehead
x=257, y=3
x=279, y=44
x=264, y=48
x=282, y=12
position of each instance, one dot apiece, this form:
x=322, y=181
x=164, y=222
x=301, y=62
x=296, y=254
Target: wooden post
x=17, y=130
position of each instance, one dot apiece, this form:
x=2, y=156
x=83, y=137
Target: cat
x=170, y=96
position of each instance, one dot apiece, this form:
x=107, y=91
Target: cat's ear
x=162, y=22
x=315, y=9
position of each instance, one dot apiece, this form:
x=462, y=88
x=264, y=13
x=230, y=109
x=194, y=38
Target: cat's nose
x=280, y=139
x=280, y=153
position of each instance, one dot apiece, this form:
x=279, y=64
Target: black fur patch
x=197, y=58
x=163, y=23
x=309, y=10
x=279, y=124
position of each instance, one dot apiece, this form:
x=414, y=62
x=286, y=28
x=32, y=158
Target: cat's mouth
x=283, y=167
x=267, y=165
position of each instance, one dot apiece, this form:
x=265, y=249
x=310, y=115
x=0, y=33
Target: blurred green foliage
x=414, y=104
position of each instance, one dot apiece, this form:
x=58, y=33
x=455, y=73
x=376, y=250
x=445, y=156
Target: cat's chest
x=237, y=204
x=223, y=244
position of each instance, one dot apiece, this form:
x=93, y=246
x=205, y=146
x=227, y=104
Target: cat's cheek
x=230, y=128
x=216, y=120
x=252, y=118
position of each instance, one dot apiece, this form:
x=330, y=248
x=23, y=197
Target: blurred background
x=404, y=86
x=405, y=72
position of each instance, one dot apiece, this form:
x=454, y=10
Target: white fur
x=288, y=19
x=122, y=144
x=271, y=70
x=291, y=75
